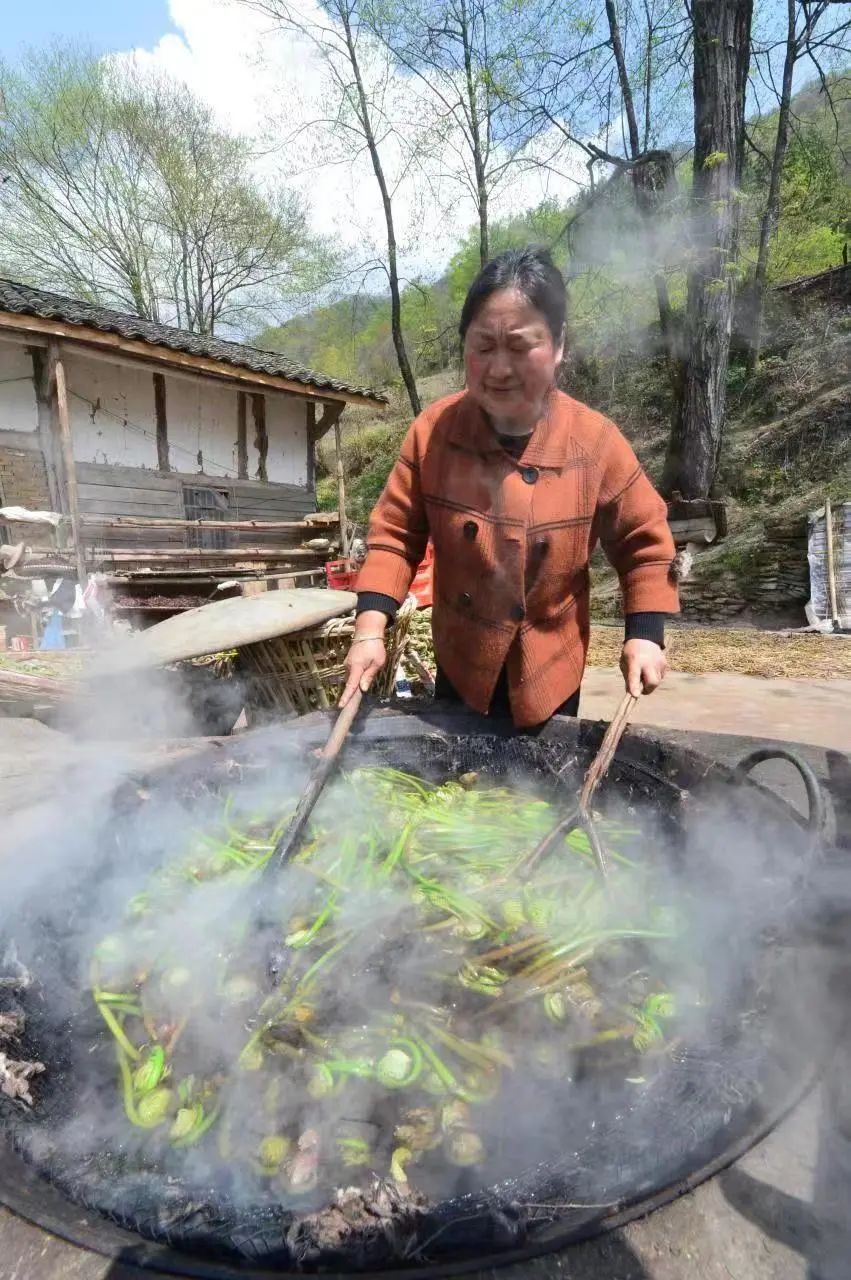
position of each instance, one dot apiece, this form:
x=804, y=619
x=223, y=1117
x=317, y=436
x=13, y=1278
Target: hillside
x=602, y=247
x=788, y=437
x=788, y=445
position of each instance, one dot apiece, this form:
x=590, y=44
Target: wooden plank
x=130, y=477
x=208, y=553
x=154, y=523
x=108, y=507
x=172, y=576
x=125, y=493
x=266, y=487
x=153, y=353
x=288, y=493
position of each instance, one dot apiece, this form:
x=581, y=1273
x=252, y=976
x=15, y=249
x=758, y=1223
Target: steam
x=724, y=892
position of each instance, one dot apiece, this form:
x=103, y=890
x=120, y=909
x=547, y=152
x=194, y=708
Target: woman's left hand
x=643, y=665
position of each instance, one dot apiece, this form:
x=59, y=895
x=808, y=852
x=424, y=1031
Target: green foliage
x=815, y=198
x=368, y=455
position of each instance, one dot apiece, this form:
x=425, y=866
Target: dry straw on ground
x=697, y=650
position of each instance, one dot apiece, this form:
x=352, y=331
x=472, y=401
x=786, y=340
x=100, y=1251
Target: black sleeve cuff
x=368, y=600
x=645, y=626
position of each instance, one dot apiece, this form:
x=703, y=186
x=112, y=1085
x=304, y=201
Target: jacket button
x=518, y=613
x=541, y=547
x=465, y=600
x=470, y=530
x=529, y=474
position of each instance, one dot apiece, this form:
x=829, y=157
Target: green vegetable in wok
x=154, y=1107
x=491, y=977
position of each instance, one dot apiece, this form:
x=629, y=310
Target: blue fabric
x=54, y=636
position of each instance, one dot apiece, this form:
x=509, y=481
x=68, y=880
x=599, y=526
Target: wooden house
x=170, y=455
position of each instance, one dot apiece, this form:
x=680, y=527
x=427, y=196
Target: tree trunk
x=772, y=203
x=476, y=140
x=626, y=89
x=721, y=58
x=652, y=177
x=392, y=268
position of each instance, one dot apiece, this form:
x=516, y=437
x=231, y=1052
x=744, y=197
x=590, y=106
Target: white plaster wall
x=113, y=421
x=18, y=410
x=202, y=418
x=286, y=425
x=111, y=408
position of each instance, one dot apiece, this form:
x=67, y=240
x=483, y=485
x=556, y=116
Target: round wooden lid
x=224, y=624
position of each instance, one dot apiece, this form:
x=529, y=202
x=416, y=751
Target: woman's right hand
x=365, y=659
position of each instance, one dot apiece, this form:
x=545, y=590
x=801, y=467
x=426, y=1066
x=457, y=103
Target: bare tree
x=806, y=35
x=119, y=188
x=466, y=53
x=359, y=117
x=722, y=31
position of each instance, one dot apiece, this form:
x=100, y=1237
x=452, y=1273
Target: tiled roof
x=24, y=300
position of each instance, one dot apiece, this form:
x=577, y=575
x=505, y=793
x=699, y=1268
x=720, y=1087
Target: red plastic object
x=340, y=575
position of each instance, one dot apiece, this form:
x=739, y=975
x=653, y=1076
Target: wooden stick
x=600, y=764
x=287, y=846
x=581, y=815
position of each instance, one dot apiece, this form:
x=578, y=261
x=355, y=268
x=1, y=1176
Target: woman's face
x=510, y=359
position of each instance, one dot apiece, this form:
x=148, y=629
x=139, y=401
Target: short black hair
x=531, y=272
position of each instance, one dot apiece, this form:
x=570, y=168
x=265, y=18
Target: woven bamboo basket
x=306, y=671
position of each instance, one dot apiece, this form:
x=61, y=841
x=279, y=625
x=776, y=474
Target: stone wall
x=23, y=479
x=764, y=571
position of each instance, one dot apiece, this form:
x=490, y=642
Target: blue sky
x=104, y=24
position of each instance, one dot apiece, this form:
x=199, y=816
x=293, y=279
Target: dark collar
x=549, y=442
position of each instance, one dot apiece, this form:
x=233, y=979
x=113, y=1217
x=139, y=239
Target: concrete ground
x=817, y=712
x=783, y=1212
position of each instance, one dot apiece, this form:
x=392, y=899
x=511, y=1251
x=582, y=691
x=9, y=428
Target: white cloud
x=269, y=85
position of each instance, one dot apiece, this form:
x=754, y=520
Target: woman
x=515, y=482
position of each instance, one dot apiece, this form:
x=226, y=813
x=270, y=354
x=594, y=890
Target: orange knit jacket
x=512, y=541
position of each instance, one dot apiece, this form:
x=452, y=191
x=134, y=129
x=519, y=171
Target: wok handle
x=815, y=794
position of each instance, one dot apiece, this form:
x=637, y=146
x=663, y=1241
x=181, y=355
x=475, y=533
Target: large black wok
x=593, y=1169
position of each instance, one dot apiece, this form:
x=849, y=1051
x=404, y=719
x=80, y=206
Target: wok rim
x=30, y=1194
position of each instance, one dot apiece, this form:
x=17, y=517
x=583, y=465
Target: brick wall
x=23, y=483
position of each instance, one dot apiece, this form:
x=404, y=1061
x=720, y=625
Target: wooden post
x=67, y=451
x=162, y=423
x=311, y=445
x=341, y=489
x=46, y=432
x=261, y=438
x=241, y=438
x=831, y=567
